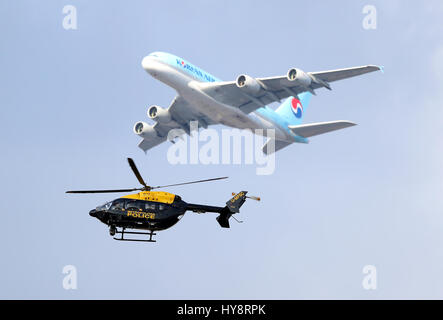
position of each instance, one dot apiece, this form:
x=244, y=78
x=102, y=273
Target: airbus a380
x=239, y=104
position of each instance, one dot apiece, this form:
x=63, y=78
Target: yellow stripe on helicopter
x=157, y=196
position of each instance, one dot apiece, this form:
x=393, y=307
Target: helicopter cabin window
x=161, y=206
x=149, y=206
x=135, y=205
x=118, y=204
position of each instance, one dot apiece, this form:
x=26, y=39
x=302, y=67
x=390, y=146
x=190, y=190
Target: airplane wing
x=313, y=129
x=181, y=116
x=149, y=143
x=274, y=89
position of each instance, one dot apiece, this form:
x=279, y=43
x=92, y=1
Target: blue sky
x=368, y=195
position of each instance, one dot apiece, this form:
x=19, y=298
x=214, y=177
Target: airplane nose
x=148, y=64
x=93, y=213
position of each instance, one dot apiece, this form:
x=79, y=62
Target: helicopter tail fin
x=232, y=206
x=223, y=219
x=236, y=201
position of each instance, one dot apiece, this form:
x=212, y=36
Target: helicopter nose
x=93, y=213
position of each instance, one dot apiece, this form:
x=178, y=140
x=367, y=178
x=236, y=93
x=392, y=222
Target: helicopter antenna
x=239, y=221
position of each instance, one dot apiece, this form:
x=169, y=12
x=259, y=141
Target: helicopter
x=151, y=211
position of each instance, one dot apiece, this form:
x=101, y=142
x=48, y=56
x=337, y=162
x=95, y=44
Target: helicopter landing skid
x=123, y=232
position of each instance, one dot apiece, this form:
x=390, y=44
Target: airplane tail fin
x=293, y=108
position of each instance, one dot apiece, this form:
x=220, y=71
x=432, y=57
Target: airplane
x=241, y=104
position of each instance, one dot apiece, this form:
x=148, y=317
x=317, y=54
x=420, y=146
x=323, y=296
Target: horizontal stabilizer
x=313, y=129
x=278, y=144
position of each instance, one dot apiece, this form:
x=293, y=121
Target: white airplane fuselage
x=186, y=85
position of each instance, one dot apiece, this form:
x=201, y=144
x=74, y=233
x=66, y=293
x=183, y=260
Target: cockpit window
x=105, y=206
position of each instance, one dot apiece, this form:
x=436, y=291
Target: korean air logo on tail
x=297, y=108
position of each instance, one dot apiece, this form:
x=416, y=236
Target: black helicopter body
x=155, y=210
x=137, y=212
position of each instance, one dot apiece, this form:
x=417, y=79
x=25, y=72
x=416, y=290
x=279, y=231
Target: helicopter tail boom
x=232, y=206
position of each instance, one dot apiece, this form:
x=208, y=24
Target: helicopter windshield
x=105, y=206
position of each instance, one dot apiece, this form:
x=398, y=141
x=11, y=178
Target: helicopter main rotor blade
x=180, y=184
x=104, y=191
x=136, y=172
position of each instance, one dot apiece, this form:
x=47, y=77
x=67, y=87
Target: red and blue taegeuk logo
x=297, y=108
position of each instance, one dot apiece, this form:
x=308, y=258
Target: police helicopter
x=152, y=211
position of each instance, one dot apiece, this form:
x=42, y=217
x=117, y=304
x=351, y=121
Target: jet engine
x=159, y=114
x=144, y=130
x=299, y=76
x=248, y=84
